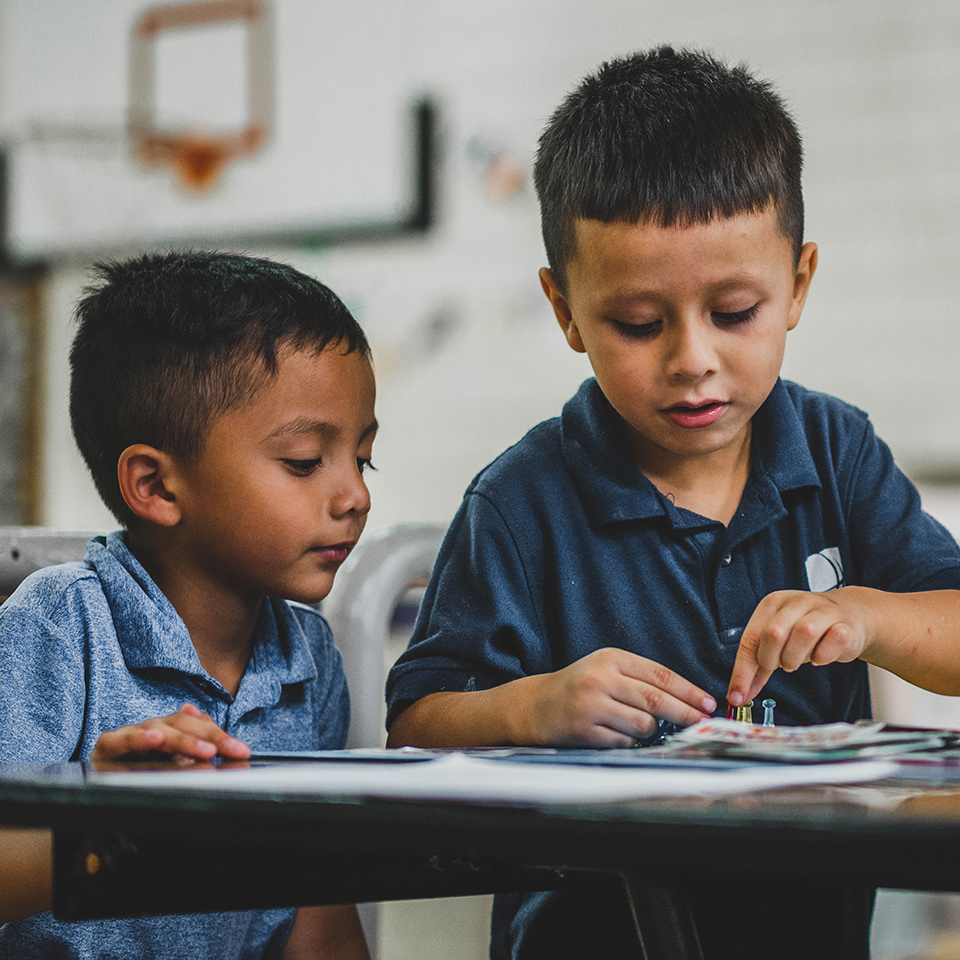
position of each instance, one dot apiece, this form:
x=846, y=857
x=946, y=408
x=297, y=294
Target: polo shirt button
x=726, y=561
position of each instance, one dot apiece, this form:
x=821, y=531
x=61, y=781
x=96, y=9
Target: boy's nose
x=691, y=354
x=352, y=496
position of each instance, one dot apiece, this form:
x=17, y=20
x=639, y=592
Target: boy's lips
x=699, y=415
x=334, y=553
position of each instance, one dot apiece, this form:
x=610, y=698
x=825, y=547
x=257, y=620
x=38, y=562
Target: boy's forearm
x=26, y=869
x=327, y=933
x=916, y=636
x=478, y=718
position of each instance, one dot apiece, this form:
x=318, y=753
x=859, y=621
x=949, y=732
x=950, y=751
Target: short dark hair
x=167, y=342
x=667, y=137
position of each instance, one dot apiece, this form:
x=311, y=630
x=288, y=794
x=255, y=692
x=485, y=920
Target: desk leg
x=664, y=921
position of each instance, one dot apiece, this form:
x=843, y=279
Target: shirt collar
x=611, y=487
x=781, y=450
x=609, y=484
x=153, y=635
x=281, y=655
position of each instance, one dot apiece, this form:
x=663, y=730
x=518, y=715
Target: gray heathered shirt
x=92, y=646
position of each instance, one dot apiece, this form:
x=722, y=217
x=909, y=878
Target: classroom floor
x=916, y=926
x=907, y=926
x=454, y=929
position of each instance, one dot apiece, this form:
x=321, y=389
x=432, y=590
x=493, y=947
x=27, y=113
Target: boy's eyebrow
x=736, y=283
x=327, y=430
x=627, y=297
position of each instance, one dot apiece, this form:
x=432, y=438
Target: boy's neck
x=711, y=485
x=221, y=624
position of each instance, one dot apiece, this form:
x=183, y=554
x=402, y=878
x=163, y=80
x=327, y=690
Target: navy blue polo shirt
x=562, y=546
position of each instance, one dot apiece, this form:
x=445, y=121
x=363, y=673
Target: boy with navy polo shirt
x=225, y=408
x=691, y=527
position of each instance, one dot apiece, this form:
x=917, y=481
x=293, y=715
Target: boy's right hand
x=188, y=734
x=611, y=698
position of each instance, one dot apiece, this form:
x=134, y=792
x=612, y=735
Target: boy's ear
x=562, y=310
x=801, y=282
x=145, y=475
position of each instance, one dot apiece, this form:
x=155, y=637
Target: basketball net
x=199, y=158
x=198, y=162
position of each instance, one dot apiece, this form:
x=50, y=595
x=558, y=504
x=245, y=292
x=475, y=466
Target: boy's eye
x=302, y=468
x=363, y=464
x=638, y=331
x=740, y=316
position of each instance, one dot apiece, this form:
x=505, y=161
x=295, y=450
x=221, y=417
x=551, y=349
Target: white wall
x=467, y=351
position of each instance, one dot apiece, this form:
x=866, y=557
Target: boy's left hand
x=187, y=734
x=792, y=627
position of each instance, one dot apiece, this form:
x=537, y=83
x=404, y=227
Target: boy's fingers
x=614, y=737
x=196, y=737
x=759, y=682
x=231, y=748
x=662, y=706
x=653, y=692
x=127, y=741
x=761, y=644
x=787, y=630
x=748, y=677
x=617, y=725
x=203, y=741
x=746, y=672
x=143, y=740
x=194, y=722
x=811, y=627
x=834, y=646
x=637, y=706
x=635, y=723
x=175, y=741
x=667, y=690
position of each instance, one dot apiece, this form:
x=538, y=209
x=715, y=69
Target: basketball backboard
x=129, y=123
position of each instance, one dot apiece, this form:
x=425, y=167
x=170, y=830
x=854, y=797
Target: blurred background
x=385, y=147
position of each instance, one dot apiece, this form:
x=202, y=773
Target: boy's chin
x=309, y=597
x=310, y=592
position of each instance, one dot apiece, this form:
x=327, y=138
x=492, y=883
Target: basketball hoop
x=198, y=162
x=198, y=157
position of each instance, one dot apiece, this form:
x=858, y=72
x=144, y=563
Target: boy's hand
x=187, y=734
x=792, y=627
x=611, y=698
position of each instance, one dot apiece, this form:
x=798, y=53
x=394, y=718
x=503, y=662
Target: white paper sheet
x=456, y=777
